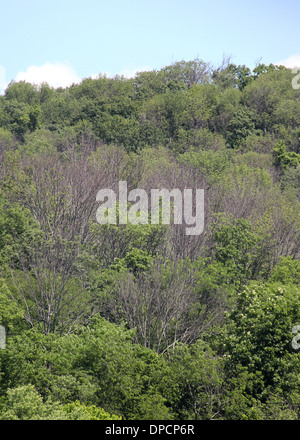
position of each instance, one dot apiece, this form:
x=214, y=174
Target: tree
x=229, y=75
x=286, y=271
x=49, y=288
x=242, y=75
x=22, y=91
x=126, y=375
x=283, y=158
x=25, y=403
x=196, y=382
x=238, y=248
x=259, y=338
x=186, y=73
x=167, y=304
x=262, y=68
x=6, y=142
x=239, y=127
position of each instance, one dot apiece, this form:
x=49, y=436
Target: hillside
x=143, y=321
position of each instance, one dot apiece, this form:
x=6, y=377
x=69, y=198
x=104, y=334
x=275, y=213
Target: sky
x=63, y=41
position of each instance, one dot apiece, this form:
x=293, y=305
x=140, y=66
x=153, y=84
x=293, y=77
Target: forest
x=141, y=321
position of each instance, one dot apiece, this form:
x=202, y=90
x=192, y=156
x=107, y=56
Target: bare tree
x=165, y=305
x=48, y=289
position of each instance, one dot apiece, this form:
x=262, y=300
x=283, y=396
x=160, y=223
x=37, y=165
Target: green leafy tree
x=25, y=403
x=239, y=127
x=22, y=91
x=287, y=271
x=242, y=75
x=195, y=382
x=259, y=338
x=238, y=248
x=283, y=158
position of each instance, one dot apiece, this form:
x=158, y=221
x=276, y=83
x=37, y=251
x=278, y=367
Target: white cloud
x=63, y=75
x=290, y=62
x=55, y=74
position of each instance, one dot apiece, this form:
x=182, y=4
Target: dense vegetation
x=143, y=321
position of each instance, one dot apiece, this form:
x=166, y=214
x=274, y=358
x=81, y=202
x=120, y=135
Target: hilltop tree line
x=143, y=321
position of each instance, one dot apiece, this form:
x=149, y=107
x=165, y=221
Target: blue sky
x=67, y=40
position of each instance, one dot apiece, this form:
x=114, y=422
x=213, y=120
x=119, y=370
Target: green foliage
x=6, y=140
x=11, y=316
x=25, y=403
x=98, y=365
x=287, y=271
x=17, y=231
x=135, y=261
x=262, y=68
x=259, y=335
x=238, y=248
x=196, y=378
x=284, y=159
x=140, y=321
x=290, y=180
x=242, y=75
x=183, y=74
x=40, y=141
x=240, y=127
x=212, y=164
x=22, y=92
x=87, y=412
